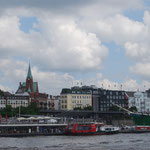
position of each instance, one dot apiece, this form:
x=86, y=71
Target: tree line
x=32, y=109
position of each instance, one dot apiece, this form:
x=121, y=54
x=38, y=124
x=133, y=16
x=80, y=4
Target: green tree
x=77, y=108
x=88, y=108
x=7, y=110
x=1, y=93
x=133, y=109
x=114, y=108
x=32, y=109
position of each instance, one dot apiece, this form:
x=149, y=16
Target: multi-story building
x=2, y=102
x=15, y=100
x=56, y=102
x=141, y=100
x=50, y=103
x=103, y=100
x=75, y=97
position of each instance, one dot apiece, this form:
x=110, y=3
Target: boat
x=141, y=121
x=91, y=128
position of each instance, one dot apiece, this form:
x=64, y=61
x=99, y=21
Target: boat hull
x=92, y=133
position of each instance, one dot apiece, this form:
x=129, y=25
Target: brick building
x=32, y=89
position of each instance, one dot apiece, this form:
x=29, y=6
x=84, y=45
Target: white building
x=57, y=103
x=140, y=100
x=17, y=100
x=2, y=102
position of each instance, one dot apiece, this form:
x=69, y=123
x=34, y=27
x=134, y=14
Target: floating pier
x=22, y=130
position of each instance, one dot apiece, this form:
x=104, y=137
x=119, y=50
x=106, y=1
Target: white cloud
x=70, y=39
x=59, y=45
x=132, y=35
x=13, y=72
x=127, y=85
x=142, y=69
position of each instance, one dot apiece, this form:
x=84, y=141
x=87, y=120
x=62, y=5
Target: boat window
x=84, y=128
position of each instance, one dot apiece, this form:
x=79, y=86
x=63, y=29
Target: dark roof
x=75, y=91
x=130, y=93
x=7, y=94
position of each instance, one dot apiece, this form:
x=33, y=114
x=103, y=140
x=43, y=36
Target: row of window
x=115, y=97
x=18, y=98
x=64, y=106
x=2, y=102
x=83, y=101
x=110, y=105
x=112, y=93
x=112, y=101
x=64, y=101
x=81, y=97
x=17, y=102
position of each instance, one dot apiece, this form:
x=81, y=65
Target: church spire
x=29, y=75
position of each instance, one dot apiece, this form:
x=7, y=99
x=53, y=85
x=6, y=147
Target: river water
x=102, y=142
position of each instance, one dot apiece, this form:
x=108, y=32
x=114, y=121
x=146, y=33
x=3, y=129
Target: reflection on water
x=105, y=142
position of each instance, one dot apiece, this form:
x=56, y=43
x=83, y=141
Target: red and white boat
x=90, y=129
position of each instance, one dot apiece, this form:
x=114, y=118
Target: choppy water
x=104, y=142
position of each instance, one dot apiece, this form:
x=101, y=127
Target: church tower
x=29, y=81
x=29, y=86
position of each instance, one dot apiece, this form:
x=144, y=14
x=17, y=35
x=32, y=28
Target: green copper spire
x=29, y=75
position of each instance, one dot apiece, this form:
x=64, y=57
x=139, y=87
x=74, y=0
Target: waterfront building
x=17, y=100
x=56, y=102
x=103, y=99
x=32, y=89
x=50, y=103
x=2, y=102
x=140, y=100
x=75, y=97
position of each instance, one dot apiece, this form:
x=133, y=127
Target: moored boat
x=141, y=121
x=90, y=129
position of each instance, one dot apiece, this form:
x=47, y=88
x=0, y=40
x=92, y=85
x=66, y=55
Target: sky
x=68, y=43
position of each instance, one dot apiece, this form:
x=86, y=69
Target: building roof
x=75, y=91
x=22, y=94
x=130, y=94
x=29, y=75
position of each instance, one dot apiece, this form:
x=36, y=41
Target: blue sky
x=27, y=24
x=93, y=42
